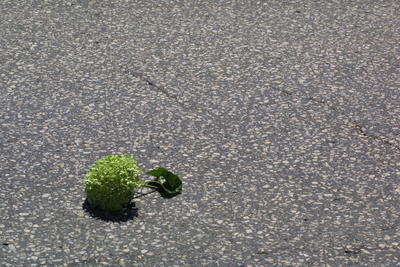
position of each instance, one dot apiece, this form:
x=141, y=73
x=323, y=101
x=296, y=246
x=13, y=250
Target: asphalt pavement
x=281, y=117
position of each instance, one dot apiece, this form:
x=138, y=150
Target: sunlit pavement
x=281, y=117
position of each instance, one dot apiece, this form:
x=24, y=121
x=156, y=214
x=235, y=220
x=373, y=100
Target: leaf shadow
x=127, y=214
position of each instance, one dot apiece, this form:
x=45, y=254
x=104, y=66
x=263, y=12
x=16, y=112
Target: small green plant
x=110, y=183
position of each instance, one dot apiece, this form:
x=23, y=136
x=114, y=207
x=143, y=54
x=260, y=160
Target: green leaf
x=169, y=183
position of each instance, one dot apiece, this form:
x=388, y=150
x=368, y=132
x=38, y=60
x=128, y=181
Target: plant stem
x=149, y=186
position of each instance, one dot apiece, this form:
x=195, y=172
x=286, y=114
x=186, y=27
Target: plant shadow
x=129, y=213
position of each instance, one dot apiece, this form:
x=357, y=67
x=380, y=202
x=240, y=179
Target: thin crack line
x=175, y=98
x=161, y=89
x=358, y=127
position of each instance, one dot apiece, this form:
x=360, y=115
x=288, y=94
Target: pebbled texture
x=281, y=117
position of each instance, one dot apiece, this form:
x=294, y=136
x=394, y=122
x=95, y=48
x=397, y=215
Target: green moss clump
x=110, y=182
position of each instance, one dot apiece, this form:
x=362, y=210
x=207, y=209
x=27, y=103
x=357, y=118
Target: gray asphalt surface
x=281, y=117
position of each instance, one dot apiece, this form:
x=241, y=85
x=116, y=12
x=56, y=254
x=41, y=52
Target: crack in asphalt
x=152, y=84
x=357, y=126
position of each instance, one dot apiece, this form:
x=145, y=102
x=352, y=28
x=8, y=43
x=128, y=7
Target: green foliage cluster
x=110, y=183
